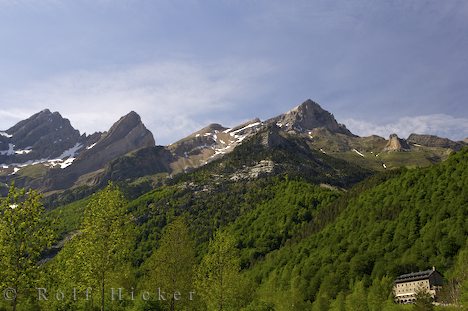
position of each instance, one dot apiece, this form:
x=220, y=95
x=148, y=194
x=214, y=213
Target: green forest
x=317, y=240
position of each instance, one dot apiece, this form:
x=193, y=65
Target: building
x=406, y=286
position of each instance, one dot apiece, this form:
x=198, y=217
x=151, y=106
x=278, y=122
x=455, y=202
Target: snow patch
x=359, y=153
x=91, y=146
x=64, y=160
x=5, y=134
x=15, y=170
x=67, y=162
x=25, y=151
x=245, y=127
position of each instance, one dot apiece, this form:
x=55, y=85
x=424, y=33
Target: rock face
x=434, y=141
x=143, y=162
x=45, y=135
x=396, y=144
x=271, y=138
x=126, y=135
x=307, y=116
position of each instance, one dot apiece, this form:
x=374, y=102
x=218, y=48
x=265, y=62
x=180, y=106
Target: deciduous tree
x=24, y=235
x=171, y=267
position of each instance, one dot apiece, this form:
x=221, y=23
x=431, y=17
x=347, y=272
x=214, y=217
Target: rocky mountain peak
x=396, y=144
x=126, y=135
x=43, y=135
x=307, y=116
x=129, y=121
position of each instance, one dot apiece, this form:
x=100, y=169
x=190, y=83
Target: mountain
x=126, y=135
x=56, y=156
x=273, y=152
x=47, y=153
x=319, y=129
x=43, y=135
x=307, y=116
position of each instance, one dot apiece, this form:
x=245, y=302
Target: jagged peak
x=43, y=113
x=130, y=120
x=132, y=115
x=126, y=124
x=308, y=116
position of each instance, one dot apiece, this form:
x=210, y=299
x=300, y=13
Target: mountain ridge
x=87, y=159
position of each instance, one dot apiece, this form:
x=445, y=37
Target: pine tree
x=24, y=235
x=171, y=267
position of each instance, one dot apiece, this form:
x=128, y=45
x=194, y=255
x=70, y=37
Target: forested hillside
x=410, y=222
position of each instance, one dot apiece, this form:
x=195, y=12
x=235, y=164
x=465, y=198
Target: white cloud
x=173, y=98
x=436, y=124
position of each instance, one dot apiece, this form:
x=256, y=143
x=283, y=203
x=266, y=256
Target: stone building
x=406, y=286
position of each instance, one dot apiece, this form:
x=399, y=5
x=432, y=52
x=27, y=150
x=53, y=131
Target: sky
x=381, y=67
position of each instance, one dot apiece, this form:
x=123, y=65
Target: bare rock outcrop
x=396, y=144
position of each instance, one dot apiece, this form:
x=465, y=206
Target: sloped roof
x=414, y=276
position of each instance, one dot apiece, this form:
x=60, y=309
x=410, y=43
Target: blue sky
x=379, y=66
